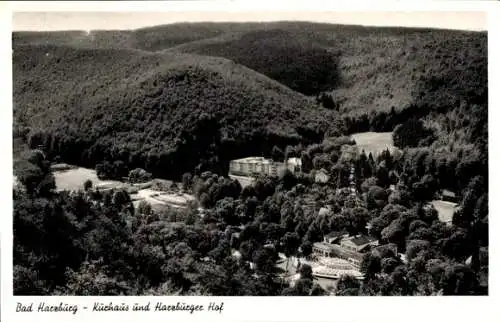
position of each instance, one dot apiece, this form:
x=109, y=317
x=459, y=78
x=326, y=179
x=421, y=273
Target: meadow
x=445, y=210
x=73, y=179
x=373, y=142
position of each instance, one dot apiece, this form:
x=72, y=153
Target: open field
x=73, y=179
x=445, y=210
x=374, y=142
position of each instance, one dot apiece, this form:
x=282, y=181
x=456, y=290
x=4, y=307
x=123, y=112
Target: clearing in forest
x=374, y=142
x=445, y=210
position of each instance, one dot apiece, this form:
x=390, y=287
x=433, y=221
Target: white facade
x=294, y=164
x=254, y=166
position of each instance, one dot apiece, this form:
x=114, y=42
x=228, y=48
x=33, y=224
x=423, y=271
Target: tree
x=416, y=224
x=457, y=246
x=387, y=215
x=410, y=133
x=370, y=265
x=425, y=189
x=303, y=287
x=186, y=181
x=27, y=282
x=414, y=247
x=347, y=285
x=306, y=271
x=205, y=201
x=307, y=164
x=288, y=179
x=291, y=242
x=121, y=198
x=264, y=260
x=272, y=231
x=368, y=184
x=317, y=290
x=459, y=280
x=139, y=176
x=306, y=248
x=389, y=264
x=376, y=198
x=395, y=233
x=290, y=152
x=144, y=208
x=400, y=197
x=120, y=170
x=91, y=280
x=87, y=185
x=225, y=210
x=421, y=233
x=383, y=175
x=277, y=154
x=34, y=173
x=327, y=101
x=103, y=170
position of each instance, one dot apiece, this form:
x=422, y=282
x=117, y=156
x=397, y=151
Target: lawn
x=73, y=179
x=445, y=210
x=374, y=142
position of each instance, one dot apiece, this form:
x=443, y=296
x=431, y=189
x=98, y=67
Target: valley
x=210, y=158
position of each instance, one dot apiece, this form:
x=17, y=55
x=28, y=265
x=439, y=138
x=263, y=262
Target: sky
x=45, y=21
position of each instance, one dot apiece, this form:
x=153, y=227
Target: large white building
x=254, y=166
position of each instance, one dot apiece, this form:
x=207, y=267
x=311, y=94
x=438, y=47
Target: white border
x=257, y=5
x=257, y=308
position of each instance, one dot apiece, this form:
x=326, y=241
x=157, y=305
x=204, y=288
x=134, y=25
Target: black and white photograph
x=250, y=154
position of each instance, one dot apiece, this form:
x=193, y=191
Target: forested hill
x=166, y=112
x=363, y=78
x=365, y=68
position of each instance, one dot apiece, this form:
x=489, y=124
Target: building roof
x=338, y=250
x=361, y=240
x=448, y=193
x=334, y=234
x=252, y=160
x=323, y=246
x=294, y=161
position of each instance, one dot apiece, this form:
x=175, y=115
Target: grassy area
x=373, y=142
x=445, y=210
x=73, y=179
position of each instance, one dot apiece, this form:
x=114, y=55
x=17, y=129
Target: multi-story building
x=255, y=166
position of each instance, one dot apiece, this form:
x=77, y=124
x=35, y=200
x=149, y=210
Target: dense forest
x=133, y=80
x=182, y=100
x=97, y=243
x=168, y=113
